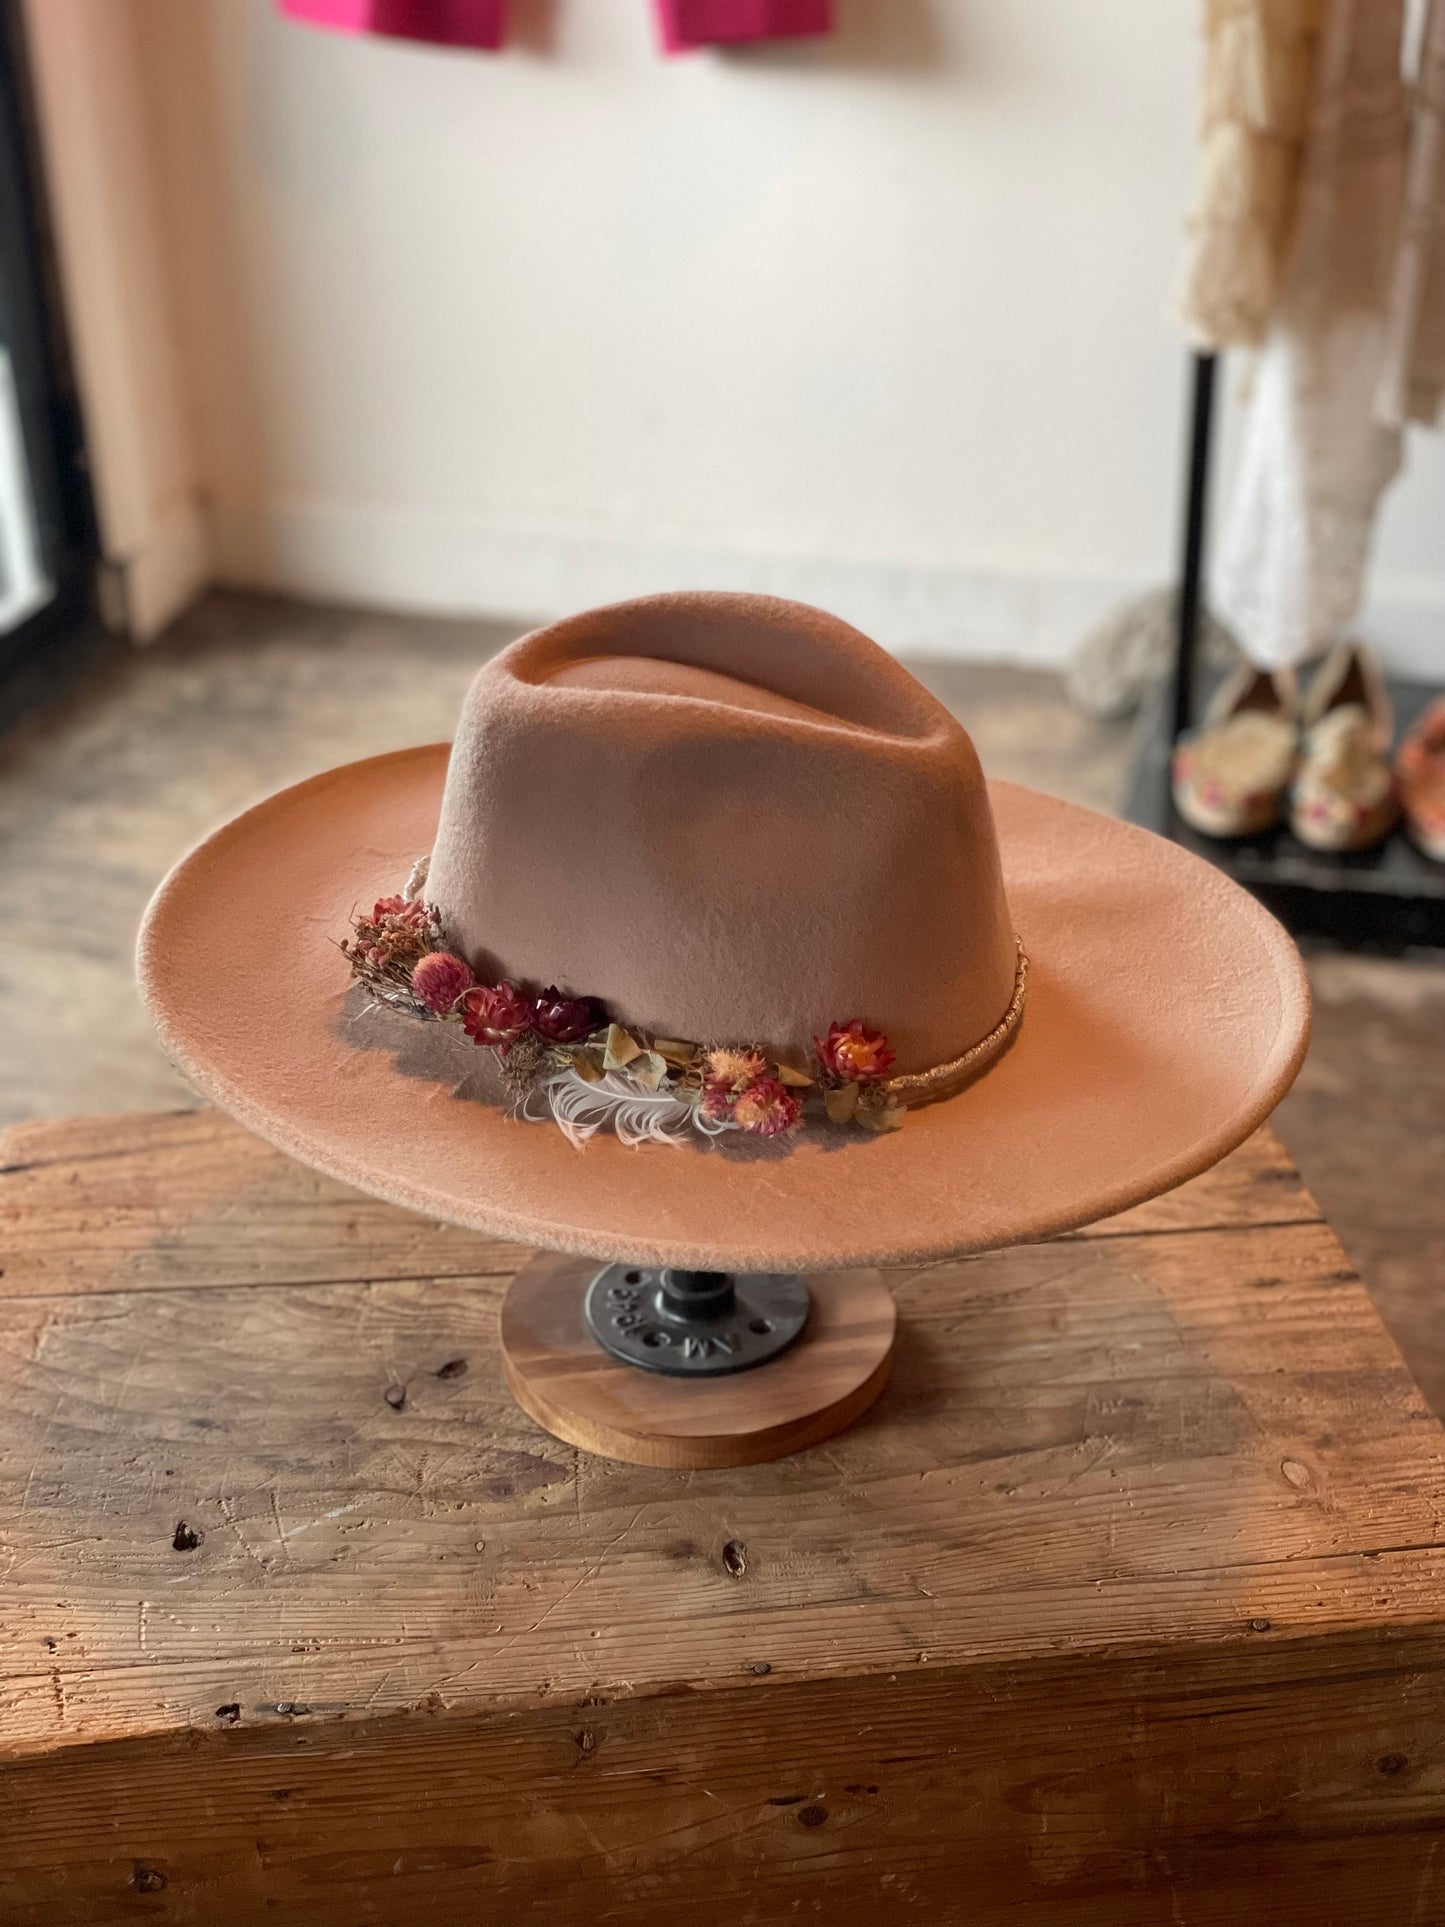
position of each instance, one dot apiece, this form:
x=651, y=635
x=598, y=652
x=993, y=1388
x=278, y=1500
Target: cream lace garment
x=1412, y=386
x=1301, y=244
x=1258, y=87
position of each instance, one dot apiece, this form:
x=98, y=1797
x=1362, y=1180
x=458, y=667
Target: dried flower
x=496, y=1015
x=396, y=952
x=717, y=1099
x=724, y=1074
x=734, y=1068
x=413, y=912
x=393, y=939
x=766, y=1108
x=564, y=1020
x=852, y=1054
x=439, y=979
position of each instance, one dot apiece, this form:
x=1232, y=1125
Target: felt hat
x=714, y=872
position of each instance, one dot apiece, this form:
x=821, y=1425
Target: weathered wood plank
x=180, y=1200
x=1195, y=1449
x=1123, y=1606
x=1302, y=1785
x=183, y=1199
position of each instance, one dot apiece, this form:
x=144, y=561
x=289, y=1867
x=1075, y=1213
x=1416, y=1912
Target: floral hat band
x=565, y=1058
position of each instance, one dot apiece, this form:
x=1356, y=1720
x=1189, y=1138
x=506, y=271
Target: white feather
x=637, y=1116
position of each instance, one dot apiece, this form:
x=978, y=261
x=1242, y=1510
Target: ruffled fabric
x=1258, y=85
x=1314, y=458
x=1412, y=386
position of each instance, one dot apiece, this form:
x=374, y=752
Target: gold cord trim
x=926, y=1087
x=917, y=1087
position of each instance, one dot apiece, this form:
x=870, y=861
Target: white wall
x=882, y=322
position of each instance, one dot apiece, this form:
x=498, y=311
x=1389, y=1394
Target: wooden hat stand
x=689, y=1369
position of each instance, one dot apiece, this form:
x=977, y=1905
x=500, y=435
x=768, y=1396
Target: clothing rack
x=1390, y=899
x=1191, y=567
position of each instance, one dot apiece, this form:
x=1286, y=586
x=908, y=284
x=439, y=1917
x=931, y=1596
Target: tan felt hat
x=732, y=822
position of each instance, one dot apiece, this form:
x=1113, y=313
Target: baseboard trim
x=456, y=565
x=160, y=578
x=445, y=563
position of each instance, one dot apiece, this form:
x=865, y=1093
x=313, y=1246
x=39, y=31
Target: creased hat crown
x=733, y=819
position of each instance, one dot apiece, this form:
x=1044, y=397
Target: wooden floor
x=1124, y=1607
x=101, y=791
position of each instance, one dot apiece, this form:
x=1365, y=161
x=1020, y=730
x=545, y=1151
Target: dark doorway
x=48, y=545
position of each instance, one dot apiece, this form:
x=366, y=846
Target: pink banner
x=448, y=23
x=684, y=24
x=707, y=23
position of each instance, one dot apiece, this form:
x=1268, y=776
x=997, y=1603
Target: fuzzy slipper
x=1344, y=794
x=1231, y=779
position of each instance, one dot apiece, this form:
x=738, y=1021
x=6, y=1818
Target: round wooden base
x=561, y=1376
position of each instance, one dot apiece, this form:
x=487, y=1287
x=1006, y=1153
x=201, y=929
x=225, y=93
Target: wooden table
x=1124, y=1605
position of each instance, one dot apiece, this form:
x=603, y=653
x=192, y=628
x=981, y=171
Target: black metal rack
x=1390, y=899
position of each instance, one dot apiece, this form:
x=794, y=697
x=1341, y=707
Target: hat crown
x=732, y=819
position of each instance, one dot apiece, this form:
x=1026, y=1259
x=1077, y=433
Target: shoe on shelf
x=1420, y=774
x=1232, y=777
x=1344, y=794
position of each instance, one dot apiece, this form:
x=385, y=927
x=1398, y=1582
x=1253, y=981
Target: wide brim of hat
x=1167, y=1014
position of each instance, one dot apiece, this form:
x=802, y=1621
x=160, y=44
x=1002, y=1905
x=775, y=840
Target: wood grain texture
x=187, y=1200
x=563, y=1379
x=1124, y=1604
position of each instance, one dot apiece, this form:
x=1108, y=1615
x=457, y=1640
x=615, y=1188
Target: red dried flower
x=564, y=1020
x=853, y=1054
x=717, y=1098
x=766, y=1108
x=439, y=979
x=496, y=1015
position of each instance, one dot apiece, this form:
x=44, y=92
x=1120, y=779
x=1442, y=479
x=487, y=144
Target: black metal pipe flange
x=694, y=1324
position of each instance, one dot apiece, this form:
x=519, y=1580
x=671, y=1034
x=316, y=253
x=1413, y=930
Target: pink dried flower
x=766, y=1108
x=717, y=1098
x=725, y=1073
x=564, y=1020
x=734, y=1068
x=496, y=1015
x=439, y=979
x=415, y=912
x=394, y=938
x=853, y=1054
